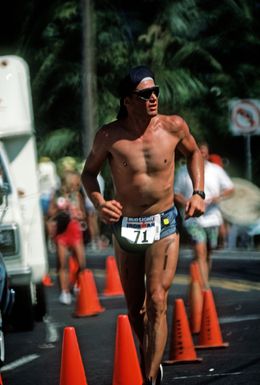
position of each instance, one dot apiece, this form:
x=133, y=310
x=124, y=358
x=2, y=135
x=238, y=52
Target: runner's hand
x=110, y=211
x=195, y=207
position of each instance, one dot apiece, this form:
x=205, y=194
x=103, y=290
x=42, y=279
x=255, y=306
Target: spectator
x=203, y=231
x=96, y=240
x=66, y=216
x=215, y=158
x=48, y=182
x=224, y=227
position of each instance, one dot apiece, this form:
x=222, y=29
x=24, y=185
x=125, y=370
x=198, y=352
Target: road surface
x=34, y=358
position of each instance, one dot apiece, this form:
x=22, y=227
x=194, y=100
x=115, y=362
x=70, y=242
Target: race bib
x=141, y=230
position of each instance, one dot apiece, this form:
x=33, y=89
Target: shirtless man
x=140, y=147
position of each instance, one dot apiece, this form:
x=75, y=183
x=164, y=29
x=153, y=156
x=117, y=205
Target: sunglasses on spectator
x=146, y=93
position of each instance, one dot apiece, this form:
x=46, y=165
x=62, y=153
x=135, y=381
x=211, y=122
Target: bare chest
x=150, y=153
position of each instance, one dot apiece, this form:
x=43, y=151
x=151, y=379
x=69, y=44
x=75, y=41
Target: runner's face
x=150, y=106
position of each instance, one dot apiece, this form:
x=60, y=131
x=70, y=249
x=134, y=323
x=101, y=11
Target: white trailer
x=22, y=239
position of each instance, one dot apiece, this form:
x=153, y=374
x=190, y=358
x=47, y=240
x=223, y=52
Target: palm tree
x=89, y=76
x=203, y=54
x=46, y=40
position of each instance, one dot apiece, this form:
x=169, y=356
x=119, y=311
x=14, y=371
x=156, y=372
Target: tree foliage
x=203, y=53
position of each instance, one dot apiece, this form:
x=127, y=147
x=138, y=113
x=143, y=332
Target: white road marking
x=207, y=375
x=226, y=320
x=19, y=362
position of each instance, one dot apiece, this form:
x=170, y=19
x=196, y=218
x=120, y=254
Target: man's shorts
x=169, y=224
x=199, y=234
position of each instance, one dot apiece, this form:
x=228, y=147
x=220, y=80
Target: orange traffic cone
x=46, y=281
x=87, y=302
x=113, y=284
x=73, y=270
x=126, y=365
x=210, y=333
x=196, y=304
x=72, y=369
x=182, y=348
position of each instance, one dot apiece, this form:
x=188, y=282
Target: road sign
x=245, y=116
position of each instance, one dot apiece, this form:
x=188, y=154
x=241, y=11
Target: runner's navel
x=165, y=160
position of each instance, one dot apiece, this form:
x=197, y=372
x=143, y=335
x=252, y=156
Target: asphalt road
x=34, y=358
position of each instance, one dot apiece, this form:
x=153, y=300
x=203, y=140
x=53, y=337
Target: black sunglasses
x=146, y=93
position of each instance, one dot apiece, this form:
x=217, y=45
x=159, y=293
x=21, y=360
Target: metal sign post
x=248, y=157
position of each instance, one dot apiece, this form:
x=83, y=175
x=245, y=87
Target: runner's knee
x=157, y=303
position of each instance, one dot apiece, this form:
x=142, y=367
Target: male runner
x=140, y=147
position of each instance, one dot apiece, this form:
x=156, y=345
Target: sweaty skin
x=140, y=150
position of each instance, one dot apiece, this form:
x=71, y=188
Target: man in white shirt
x=204, y=230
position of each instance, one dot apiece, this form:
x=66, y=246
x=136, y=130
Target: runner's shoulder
x=107, y=132
x=173, y=123
x=110, y=128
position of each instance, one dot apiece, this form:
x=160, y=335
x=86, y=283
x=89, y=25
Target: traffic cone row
x=203, y=315
x=182, y=348
x=203, y=321
x=126, y=364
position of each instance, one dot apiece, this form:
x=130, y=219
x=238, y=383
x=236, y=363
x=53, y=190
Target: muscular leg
x=131, y=270
x=161, y=261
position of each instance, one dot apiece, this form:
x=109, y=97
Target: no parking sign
x=245, y=116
